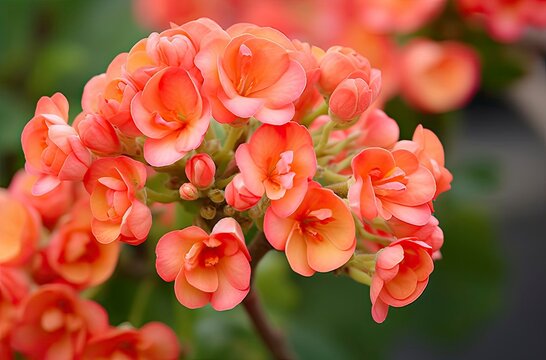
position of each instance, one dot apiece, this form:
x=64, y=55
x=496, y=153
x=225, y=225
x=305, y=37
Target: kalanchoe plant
x=251, y=133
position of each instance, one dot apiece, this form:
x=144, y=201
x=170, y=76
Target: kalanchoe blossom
x=118, y=200
x=153, y=341
x=401, y=274
x=200, y=170
x=53, y=150
x=318, y=236
x=172, y=114
x=278, y=161
x=19, y=230
x=391, y=184
x=248, y=72
x=206, y=268
x=55, y=324
x=430, y=233
x=97, y=134
x=14, y=287
x=238, y=196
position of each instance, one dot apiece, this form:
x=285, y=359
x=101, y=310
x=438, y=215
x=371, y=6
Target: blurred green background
x=484, y=299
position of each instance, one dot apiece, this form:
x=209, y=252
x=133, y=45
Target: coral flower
x=75, y=254
x=378, y=129
x=401, y=274
x=53, y=149
x=438, y=77
x=278, y=161
x=430, y=233
x=19, y=230
x=55, y=324
x=238, y=196
x=172, y=114
x=206, y=268
x=97, y=134
x=153, y=341
x=248, y=72
x=118, y=201
x=430, y=152
x=318, y=236
x=385, y=16
x=14, y=286
x=391, y=184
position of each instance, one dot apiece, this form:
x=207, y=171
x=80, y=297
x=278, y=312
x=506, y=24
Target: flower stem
x=140, y=302
x=333, y=177
x=321, y=110
x=273, y=338
x=324, y=136
x=162, y=197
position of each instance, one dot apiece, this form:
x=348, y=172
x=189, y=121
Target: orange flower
x=75, y=255
x=19, y=230
x=118, y=200
x=438, y=77
x=53, y=150
x=154, y=341
x=391, y=184
x=13, y=288
x=206, y=268
x=318, y=236
x=248, y=72
x=401, y=274
x=55, y=324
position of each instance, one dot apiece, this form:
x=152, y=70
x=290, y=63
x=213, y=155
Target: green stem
x=341, y=188
x=222, y=183
x=162, y=197
x=140, y=302
x=321, y=110
x=333, y=177
x=324, y=136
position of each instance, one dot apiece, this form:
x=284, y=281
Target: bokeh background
x=486, y=296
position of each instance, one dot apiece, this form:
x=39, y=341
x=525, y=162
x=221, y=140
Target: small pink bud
x=188, y=192
x=350, y=99
x=98, y=135
x=238, y=196
x=200, y=170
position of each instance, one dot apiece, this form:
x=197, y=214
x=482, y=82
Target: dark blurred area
x=485, y=298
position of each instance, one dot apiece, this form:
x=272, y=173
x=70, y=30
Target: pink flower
x=438, y=77
x=19, y=230
x=430, y=152
x=52, y=205
x=97, y=134
x=378, y=129
x=238, y=196
x=430, y=233
x=118, y=200
x=278, y=161
x=398, y=15
x=248, y=72
x=53, y=150
x=200, y=170
x=206, y=268
x=55, y=324
x=76, y=256
x=172, y=114
x=153, y=341
x=391, y=184
x=318, y=236
x=401, y=274
x=14, y=287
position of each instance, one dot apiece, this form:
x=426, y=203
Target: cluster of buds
x=250, y=132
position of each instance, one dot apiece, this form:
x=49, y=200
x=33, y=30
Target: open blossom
x=238, y=196
x=206, y=268
x=308, y=56
x=401, y=274
x=19, y=230
x=118, y=201
x=438, y=77
x=76, y=256
x=53, y=150
x=200, y=170
x=52, y=205
x=55, y=324
x=318, y=236
x=430, y=233
x=377, y=128
x=14, y=288
x=248, y=72
x=386, y=16
x=506, y=20
x=172, y=114
x=278, y=161
x=430, y=152
x=391, y=184
x=153, y=341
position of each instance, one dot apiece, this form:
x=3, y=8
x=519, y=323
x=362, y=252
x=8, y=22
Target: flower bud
x=200, y=170
x=208, y=212
x=188, y=192
x=98, y=135
x=216, y=196
x=349, y=100
x=238, y=196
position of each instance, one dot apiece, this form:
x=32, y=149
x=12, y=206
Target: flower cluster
x=250, y=132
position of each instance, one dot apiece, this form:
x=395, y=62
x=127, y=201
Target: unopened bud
x=208, y=212
x=200, y=170
x=229, y=211
x=216, y=195
x=188, y=192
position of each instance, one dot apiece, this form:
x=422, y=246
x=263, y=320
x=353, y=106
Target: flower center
x=391, y=181
x=245, y=85
x=309, y=225
x=281, y=178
